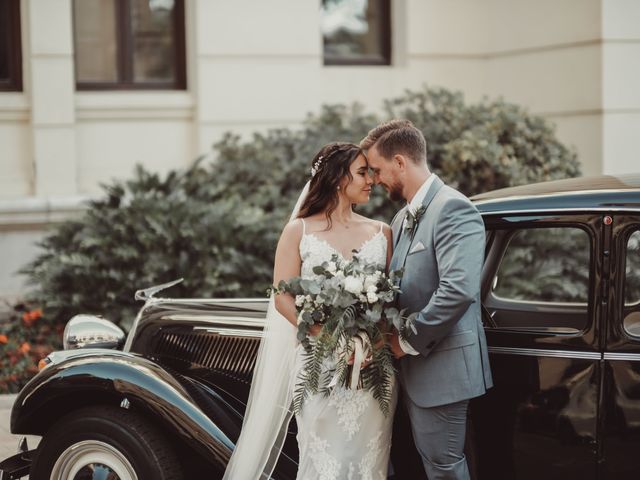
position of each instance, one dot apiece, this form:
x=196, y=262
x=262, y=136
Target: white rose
x=372, y=297
x=353, y=285
x=370, y=281
x=362, y=299
x=372, y=289
x=332, y=267
x=299, y=300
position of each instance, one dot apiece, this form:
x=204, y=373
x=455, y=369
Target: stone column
x=52, y=97
x=620, y=80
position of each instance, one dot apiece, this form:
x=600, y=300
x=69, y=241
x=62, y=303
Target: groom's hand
x=394, y=342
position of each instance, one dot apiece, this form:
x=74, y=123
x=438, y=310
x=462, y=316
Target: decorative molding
x=35, y=213
x=634, y=357
x=538, y=352
x=134, y=106
x=490, y=55
x=15, y=107
x=251, y=122
x=266, y=56
x=591, y=112
x=148, y=114
x=8, y=115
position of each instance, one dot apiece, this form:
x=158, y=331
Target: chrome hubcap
x=92, y=460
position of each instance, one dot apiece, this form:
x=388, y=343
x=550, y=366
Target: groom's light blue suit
x=442, y=263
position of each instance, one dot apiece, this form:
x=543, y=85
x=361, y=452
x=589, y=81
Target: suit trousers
x=439, y=434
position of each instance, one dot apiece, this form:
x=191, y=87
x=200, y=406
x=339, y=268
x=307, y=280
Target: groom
x=439, y=241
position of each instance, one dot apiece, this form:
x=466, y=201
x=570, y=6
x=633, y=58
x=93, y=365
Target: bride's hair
x=329, y=166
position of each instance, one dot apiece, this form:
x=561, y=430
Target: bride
x=343, y=435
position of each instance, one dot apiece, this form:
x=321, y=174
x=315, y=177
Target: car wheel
x=104, y=442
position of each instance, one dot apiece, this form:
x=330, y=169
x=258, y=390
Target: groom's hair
x=397, y=137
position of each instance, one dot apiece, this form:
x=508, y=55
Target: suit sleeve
x=459, y=242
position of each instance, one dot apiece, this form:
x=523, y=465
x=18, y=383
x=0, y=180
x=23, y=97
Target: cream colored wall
x=621, y=78
x=252, y=77
x=253, y=72
x=116, y=131
x=16, y=167
x=256, y=65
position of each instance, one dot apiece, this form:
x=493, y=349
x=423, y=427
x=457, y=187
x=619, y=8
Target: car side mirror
x=90, y=331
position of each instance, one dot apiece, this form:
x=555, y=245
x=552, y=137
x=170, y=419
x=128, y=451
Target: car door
x=621, y=412
x=540, y=284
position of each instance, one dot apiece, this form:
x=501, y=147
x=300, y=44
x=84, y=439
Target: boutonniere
x=413, y=218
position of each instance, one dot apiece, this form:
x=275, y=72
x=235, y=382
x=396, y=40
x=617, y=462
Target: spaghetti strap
x=381, y=227
x=304, y=227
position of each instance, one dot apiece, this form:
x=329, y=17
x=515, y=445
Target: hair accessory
x=316, y=165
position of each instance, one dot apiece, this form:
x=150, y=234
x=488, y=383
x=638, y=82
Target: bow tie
x=412, y=219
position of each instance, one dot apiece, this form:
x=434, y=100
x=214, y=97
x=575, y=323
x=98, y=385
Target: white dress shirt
x=413, y=206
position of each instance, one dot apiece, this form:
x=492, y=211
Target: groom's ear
x=400, y=161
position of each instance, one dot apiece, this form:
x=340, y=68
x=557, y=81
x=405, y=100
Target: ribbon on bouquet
x=360, y=345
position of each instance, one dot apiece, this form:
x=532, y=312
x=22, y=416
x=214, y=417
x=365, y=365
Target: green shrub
x=216, y=223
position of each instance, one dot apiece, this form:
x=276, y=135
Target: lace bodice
x=343, y=435
x=315, y=250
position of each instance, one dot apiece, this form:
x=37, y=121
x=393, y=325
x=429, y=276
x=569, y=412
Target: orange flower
x=29, y=318
x=25, y=347
x=3, y=339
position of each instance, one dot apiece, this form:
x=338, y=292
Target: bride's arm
x=287, y=265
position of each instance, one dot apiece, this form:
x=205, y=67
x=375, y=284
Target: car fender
x=85, y=376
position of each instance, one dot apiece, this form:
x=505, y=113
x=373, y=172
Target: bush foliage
x=216, y=223
x=24, y=340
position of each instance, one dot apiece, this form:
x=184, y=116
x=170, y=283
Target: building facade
x=81, y=104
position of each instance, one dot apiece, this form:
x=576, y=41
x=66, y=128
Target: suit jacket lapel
x=404, y=244
x=400, y=252
x=431, y=193
x=396, y=224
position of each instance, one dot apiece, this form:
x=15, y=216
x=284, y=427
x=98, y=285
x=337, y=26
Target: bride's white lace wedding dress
x=345, y=435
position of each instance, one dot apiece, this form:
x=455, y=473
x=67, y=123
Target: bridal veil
x=269, y=407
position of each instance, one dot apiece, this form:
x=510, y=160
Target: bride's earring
x=338, y=188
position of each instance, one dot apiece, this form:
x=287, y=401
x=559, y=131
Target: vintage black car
x=561, y=305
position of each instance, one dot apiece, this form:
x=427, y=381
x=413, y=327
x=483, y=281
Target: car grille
x=233, y=356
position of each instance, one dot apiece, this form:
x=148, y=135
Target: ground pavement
x=8, y=442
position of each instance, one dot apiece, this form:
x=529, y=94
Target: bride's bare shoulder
x=316, y=223
x=293, y=230
x=374, y=226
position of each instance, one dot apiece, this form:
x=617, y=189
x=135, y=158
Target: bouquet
x=349, y=301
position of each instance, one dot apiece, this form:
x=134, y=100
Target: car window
x=632, y=270
x=632, y=286
x=545, y=265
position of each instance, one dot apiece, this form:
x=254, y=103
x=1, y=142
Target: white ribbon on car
x=360, y=345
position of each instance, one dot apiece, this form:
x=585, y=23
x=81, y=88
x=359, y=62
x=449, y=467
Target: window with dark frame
x=129, y=44
x=356, y=32
x=543, y=281
x=631, y=308
x=10, y=46
x=547, y=265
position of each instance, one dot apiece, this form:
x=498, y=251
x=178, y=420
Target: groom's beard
x=394, y=192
